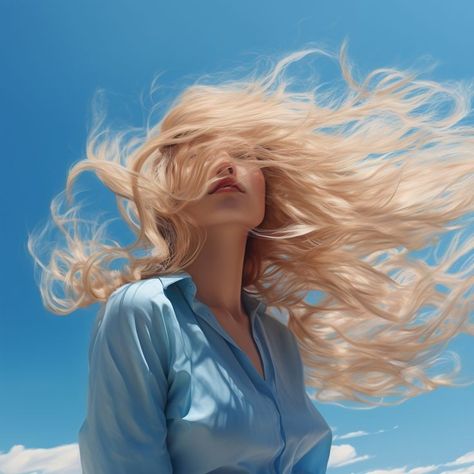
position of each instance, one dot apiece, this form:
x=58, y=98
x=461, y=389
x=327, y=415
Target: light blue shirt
x=171, y=392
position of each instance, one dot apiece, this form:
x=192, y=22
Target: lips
x=225, y=182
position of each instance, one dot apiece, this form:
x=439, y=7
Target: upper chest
x=242, y=335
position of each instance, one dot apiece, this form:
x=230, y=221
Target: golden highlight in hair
x=355, y=182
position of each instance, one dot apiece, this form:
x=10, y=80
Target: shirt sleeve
x=125, y=426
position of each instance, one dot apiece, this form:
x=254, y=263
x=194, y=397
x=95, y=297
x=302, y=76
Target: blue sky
x=55, y=55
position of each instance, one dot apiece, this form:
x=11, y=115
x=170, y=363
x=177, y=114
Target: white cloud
x=344, y=454
x=58, y=460
x=352, y=434
x=464, y=459
x=462, y=470
x=468, y=457
x=404, y=470
x=358, y=434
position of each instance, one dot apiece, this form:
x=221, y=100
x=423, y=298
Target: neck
x=217, y=271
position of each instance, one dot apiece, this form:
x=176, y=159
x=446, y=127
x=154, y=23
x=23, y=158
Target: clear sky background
x=55, y=54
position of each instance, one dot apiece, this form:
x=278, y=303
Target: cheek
x=257, y=180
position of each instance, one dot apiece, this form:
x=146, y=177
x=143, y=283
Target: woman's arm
x=125, y=428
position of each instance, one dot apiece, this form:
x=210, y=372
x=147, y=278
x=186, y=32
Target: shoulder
x=132, y=326
x=142, y=300
x=140, y=291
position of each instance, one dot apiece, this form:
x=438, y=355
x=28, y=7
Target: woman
x=243, y=198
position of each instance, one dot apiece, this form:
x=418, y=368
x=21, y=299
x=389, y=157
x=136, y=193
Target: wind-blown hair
x=355, y=181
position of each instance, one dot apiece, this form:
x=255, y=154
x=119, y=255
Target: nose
x=227, y=167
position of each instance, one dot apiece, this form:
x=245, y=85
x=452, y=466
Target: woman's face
x=246, y=208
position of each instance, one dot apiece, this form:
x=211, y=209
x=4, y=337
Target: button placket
x=282, y=436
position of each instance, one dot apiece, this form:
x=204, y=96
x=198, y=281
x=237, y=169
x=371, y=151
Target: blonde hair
x=354, y=182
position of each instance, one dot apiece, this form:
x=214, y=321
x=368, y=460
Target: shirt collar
x=186, y=283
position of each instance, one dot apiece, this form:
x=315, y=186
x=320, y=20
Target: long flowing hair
x=357, y=180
